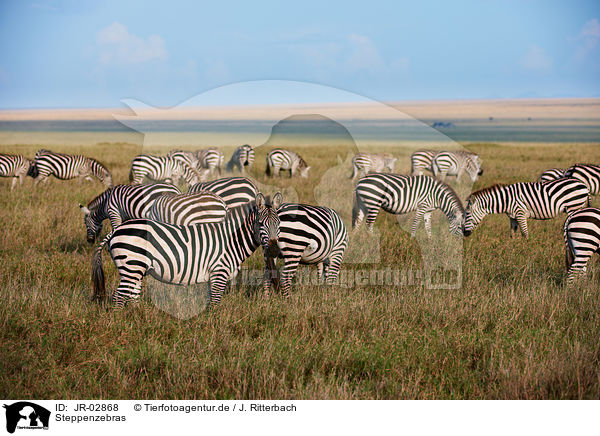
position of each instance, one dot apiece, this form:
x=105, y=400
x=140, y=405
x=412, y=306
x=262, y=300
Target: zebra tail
x=98, y=272
x=569, y=257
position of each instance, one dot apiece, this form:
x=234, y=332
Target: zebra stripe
x=233, y=190
x=14, y=166
x=188, y=209
x=399, y=194
x=280, y=159
x=455, y=163
x=422, y=160
x=163, y=168
x=66, y=167
x=366, y=163
x=552, y=174
x=309, y=235
x=588, y=174
x=122, y=203
x=520, y=201
x=242, y=157
x=187, y=255
x=581, y=233
x=210, y=159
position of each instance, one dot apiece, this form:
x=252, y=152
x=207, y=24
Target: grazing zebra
x=242, y=157
x=588, y=174
x=122, y=203
x=581, y=232
x=233, y=190
x=520, y=201
x=188, y=209
x=400, y=194
x=210, y=159
x=280, y=159
x=168, y=168
x=66, y=167
x=552, y=174
x=422, y=160
x=187, y=255
x=16, y=167
x=455, y=163
x=309, y=235
x=366, y=163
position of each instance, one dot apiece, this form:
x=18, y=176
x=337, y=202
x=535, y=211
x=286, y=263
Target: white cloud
x=587, y=39
x=117, y=46
x=536, y=59
x=363, y=55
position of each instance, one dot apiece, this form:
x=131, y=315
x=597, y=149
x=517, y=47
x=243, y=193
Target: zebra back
x=233, y=190
x=188, y=209
x=588, y=174
x=552, y=174
x=422, y=160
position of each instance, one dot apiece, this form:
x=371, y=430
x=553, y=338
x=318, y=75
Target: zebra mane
x=487, y=190
x=98, y=199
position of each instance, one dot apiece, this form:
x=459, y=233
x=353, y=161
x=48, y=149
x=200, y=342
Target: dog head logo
x=26, y=415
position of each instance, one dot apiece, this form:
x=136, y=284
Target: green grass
x=511, y=331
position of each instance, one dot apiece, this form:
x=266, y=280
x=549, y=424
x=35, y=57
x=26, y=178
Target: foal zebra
x=581, y=233
x=66, y=167
x=366, y=163
x=211, y=160
x=233, y=190
x=520, y=201
x=588, y=174
x=122, y=203
x=168, y=168
x=280, y=159
x=188, y=209
x=422, y=160
x=242, y=157
x=187, y=255
x=14, y=166
x=400, y=194
x=309, y=235
x=552, y=174
x=455, y=163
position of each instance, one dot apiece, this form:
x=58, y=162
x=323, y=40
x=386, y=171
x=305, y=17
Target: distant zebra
x=187, y=255
x=163, y=168
x=552, y=174
x=233, y=190
x=280, y=159
x=455, y=163
x=14, y=166
x=366, y=163
x=122, y=203
x=422, y=160
x=400, y=194
x=309, y=235
x=188, y=209
x=66, y=167
x=211, y=160
x=581, y=233
x=242, y=157
x=520, y=201
x=588, y=174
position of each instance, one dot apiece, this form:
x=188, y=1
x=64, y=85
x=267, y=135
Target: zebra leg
x=333, y=271
x=523, y=225
x=416, y=221
x=217, y=284
x=14, y=183
x=320, y=268
x=128, y=289
x=514, y=225
x=427, y=222
x=39, y=179
x=371, y=217
x=288, y=273
x=578, y=268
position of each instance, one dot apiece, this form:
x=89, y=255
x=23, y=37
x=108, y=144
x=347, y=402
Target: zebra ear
x=277, y=200
x=84, y=209
x=260, y=200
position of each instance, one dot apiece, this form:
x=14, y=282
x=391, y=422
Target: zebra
x=15, y=166
x=520, y=201
x=187, y=209
x=552, y=174
x=66, y=167
x=210, y=159
x=422, y=160
x=168, y=168
x=455, y=164
x=242, y=157
x=588, y=174
x=371, y=163
x=233, y=190
x=399, y=194
x=122, y=203
x=186, y=255
x=280, y=159
x=581, y=233
x=309, y=235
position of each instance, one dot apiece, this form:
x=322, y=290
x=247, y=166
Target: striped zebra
x=422, y=160
x=14, y=166
x=66, y=167
x=309, y=235
x=455, y=163
x=551, y=174
x=242, y=157
x=122, y=203
x=211, y=160
x=520, y=201
x=366, y=163
x=163, y=168
x=280, y=159
x=188, y=209
x=186, y=255
x=399, y=194
x=233, y=190
x=588, y=174
x=581, y=233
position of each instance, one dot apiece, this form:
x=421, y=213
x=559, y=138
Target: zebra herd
x=205, y=234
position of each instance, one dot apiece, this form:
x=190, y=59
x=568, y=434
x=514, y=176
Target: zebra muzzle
x=273, y=248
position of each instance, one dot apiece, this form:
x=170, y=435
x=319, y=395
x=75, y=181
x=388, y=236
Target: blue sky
x=93, y=54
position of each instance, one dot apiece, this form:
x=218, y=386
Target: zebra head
x=267, y=224
x=474, y=213
x=92, y=225
x=474, y=168
x=389, y=163
x=304, y=172
x=457, y=223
